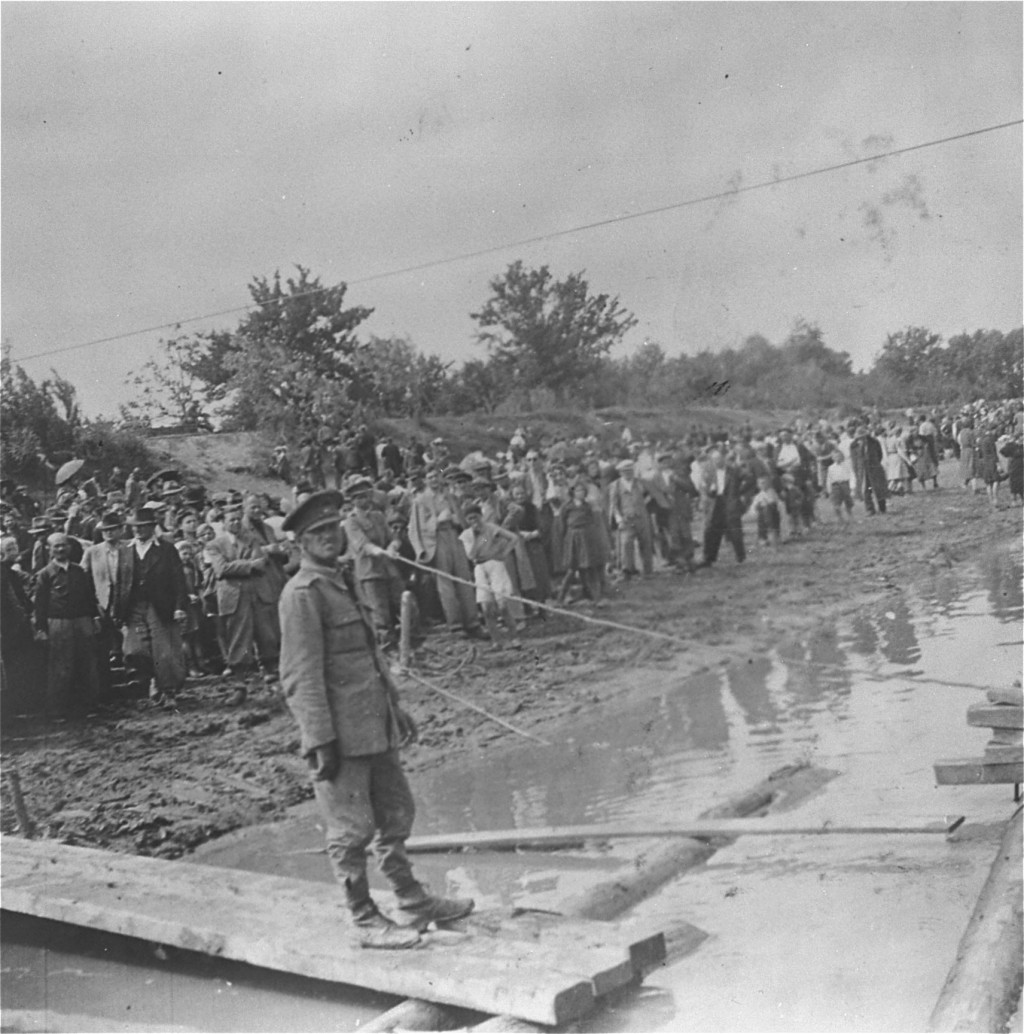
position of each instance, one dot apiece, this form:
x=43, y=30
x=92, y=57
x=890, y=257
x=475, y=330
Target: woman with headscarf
x=987, y=463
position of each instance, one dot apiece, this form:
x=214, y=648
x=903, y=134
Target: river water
x=876, y=697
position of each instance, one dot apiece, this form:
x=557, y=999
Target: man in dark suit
x=722, y=488
x=150, y=604
x=867, y=456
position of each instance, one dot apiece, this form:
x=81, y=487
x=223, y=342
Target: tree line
x=297, y=360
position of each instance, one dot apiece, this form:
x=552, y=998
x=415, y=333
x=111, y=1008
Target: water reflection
x=1003, y=582
x=899, y=640
x=667, y=741
x=748, y=684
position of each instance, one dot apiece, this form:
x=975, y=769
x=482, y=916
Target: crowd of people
x=143, y=582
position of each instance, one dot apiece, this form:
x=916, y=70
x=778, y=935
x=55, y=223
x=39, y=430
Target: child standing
x=767, y=508
x=838, y=480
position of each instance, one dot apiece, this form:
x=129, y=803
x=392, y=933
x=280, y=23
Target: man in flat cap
x=346, y=704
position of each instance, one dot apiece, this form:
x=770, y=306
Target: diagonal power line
x=582, y=228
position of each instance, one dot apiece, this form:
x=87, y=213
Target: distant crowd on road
x=148, y=581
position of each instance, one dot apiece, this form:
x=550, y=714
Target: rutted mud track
x=141, y=779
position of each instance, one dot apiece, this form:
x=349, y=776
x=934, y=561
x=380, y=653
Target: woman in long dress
x=582, y=551
x=897, y=469
x=967, y=441
x=988, y=461
x=923, y=461
x=532, y=577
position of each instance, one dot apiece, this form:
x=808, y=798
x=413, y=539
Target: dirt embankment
x=140, y=779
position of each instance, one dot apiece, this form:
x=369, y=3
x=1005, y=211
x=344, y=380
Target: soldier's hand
x=324, y=761
x=407, y=731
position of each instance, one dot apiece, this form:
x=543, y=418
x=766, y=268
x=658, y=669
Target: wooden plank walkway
x=535, y=966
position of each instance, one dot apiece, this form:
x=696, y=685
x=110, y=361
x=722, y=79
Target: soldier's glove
x=324, y=761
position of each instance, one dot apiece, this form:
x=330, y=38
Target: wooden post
x=405, y=636
x=28, y=830
x=412, y=1014
x=982, y=988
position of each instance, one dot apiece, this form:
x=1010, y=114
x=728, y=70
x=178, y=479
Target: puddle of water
x=843, y=698
x=55, y=977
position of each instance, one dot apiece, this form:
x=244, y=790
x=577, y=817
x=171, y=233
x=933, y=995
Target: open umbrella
x=68, y=471
x=170, y=474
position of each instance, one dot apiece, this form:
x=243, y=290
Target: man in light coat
x=101, y=561
x=247, y=561
x=346, y=705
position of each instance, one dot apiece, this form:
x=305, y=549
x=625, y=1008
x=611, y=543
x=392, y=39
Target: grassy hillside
x=242, y=459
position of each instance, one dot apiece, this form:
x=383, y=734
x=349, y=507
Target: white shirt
x=789, y=456
x=142, y=548
x=838, y=472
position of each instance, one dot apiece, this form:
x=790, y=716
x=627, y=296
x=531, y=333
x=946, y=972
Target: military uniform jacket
x=331, y=674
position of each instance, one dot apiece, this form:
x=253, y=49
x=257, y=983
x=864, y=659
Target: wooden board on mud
x=534, y=968
x=966, y=771
x=699, y=829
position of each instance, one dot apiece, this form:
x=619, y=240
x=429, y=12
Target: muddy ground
x=144, y=780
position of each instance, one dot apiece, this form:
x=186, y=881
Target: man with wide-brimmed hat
x=352, y=726
x=151, y=605
x=39, y=556
x=102, y=561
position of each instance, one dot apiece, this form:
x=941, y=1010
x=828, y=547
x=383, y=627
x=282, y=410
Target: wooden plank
x=563, y=836
x=291, y=925
x=1003, y=752
x=1011, y=695
x=964, y=771
x=993, y=716
x=982, y=989
x=640, y=950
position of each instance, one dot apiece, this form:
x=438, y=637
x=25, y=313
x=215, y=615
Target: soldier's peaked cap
x=319, y=509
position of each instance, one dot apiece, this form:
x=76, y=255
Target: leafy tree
x=172, y=387
x=34, y=431
x=986, y=363
x=43, y=427
x=395, y=379
x=805, y=346
x=909, y=353
x=546, y=332
x=294, y=357
x=479, y=385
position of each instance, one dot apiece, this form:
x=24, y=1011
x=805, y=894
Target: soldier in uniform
x=351, y=726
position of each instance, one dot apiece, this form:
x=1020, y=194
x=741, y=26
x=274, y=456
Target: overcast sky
x=157, y=156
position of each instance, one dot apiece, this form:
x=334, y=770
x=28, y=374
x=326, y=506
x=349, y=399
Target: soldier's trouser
x=369, y=803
